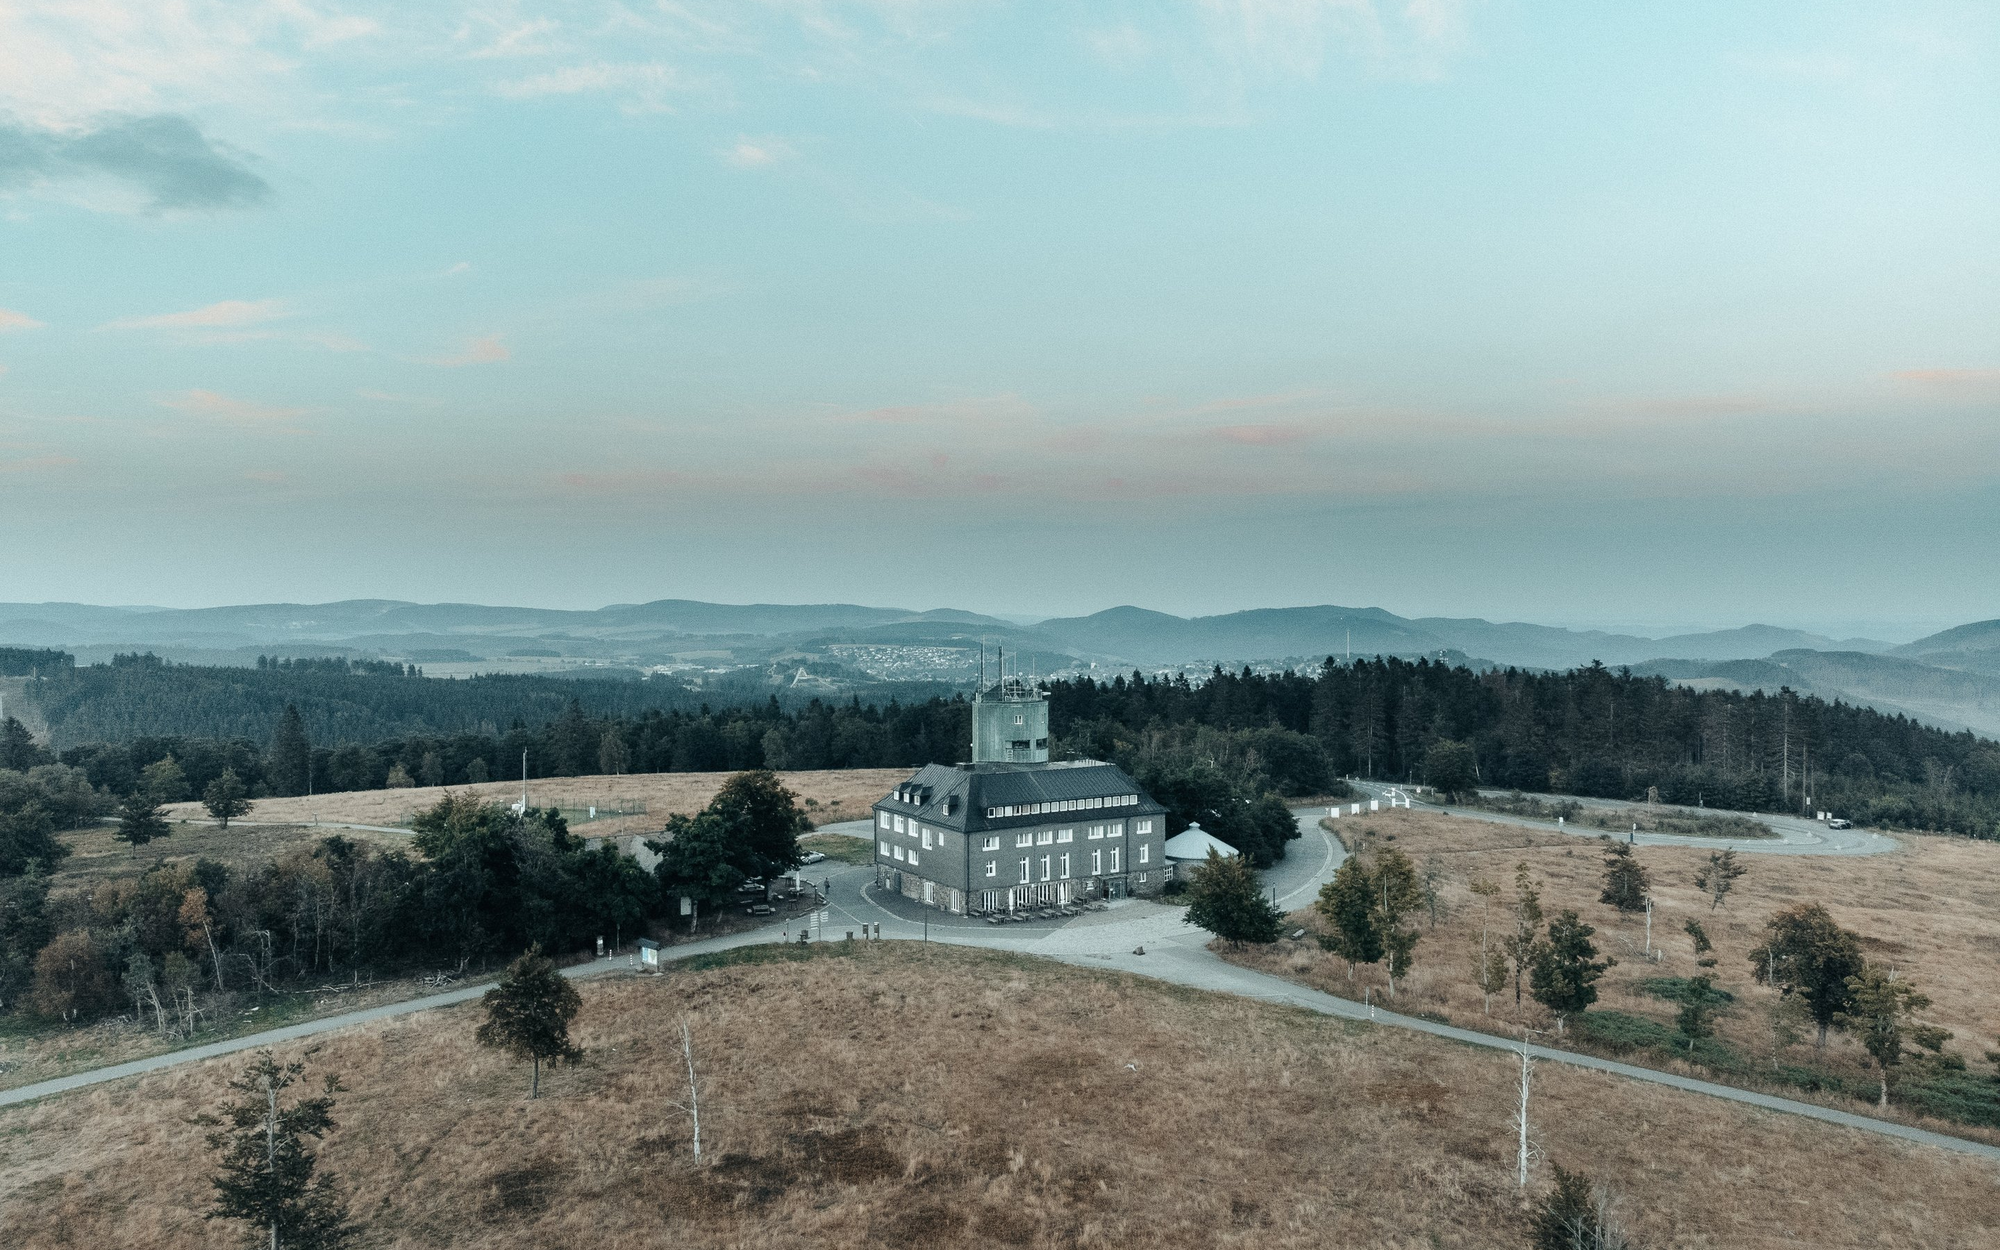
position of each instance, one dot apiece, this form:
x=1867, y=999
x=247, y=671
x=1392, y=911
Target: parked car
x=754, y=885
x=813, y=857
x=1837, y=823
x=760, y=909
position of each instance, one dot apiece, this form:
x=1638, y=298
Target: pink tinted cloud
x=228, y=410
x=37, y=464
x=227, y=313
x=1261, y=435
x=1948, y=377
x=11, y=320
x=484, y=350
x=624, y=482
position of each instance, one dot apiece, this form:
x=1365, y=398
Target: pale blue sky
x=1673, y=313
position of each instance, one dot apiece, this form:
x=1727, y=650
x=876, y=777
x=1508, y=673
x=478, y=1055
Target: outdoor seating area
x=1022, y=915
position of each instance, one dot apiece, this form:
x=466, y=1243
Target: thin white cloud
x=646, y=86
x=228, y=410
x=484, y=350
x=11, y=320
x=224, y=314
x=748, y=153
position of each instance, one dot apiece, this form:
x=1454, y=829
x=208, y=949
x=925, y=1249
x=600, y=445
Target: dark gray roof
x=976, y=788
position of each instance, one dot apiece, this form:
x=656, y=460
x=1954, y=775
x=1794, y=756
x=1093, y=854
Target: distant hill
x=1975, y=647
x=1755, y=640
x=1946, y=698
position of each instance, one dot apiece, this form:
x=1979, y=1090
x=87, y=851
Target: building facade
x=1018, y=832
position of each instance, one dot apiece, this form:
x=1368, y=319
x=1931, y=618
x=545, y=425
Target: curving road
x=1796, y=834
x=1131, y=935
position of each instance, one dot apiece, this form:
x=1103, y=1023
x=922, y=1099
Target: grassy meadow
x=903, y=1096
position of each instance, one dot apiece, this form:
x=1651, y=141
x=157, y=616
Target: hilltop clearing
x=897, y=1095
x=827, y=796
x=1930, y=909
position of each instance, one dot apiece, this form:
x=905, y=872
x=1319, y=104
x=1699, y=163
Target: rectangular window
x=885, y=850
x=1065, y=865
x=992, y=867
x=1097, y=863
x=1096, y=832
x=899, y=824
x=1115, y=831
x=882, y=818
x=913, y=857
x=1145, y=851
x=1024, y=838
x=1065, y=835
x=1045, y=868
x=1024, y=872
x=1142, y=878
x=990, y=844
x=1144, y=826
x=927, y=838
x=899, y=852
x=1114, y=859
x=1044, y=836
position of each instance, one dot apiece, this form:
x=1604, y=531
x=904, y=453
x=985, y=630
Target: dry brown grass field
x=1931, y=909
x=828, y=796
x=907, y=1096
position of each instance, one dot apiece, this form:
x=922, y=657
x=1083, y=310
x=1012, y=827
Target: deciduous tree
x=1345, y=904
x=1524, y=944
x=1226, y=898
x=1882, y=1012
x=224, y=798
x=528, y=1014
x=1451, y=768
x=1805, y=952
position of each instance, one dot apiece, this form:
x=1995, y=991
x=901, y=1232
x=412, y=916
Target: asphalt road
x=1796, y=835
x=1132, y=935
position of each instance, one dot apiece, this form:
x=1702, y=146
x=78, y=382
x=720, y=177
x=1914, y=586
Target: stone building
x=1010, y=830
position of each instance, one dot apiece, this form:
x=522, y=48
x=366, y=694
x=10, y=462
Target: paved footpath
x=1174, y=952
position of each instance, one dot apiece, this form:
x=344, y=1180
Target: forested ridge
x=1591, y=731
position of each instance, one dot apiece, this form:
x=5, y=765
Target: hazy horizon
x=1835, y=628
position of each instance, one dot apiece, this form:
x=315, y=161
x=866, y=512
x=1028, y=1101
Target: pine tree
x=290, y=763
x=1226, y=898
x=268, y=1173
x=1718, y=876
x=1566, y=969
x=529, y=1012
x=140, y=820
x=1626, y=881
x=1576, y=1215
x=224, y=798
x=1699, y=1001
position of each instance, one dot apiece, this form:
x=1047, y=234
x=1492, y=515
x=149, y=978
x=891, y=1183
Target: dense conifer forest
x=1591, y=731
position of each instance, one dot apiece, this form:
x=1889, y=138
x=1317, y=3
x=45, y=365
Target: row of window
x=1057, y=867
x=1062, y=805
x=896, y=853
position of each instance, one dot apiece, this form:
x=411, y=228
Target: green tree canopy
x=1626, y=881
x=1806, y=952
x=140, y=820
x=529, y=1012
x=1565, y=974
x=1450, y=767
x=1226, y=898
x=1882, y=1012
x=1347, y=905
x=225, y=798
x=268, y=1173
